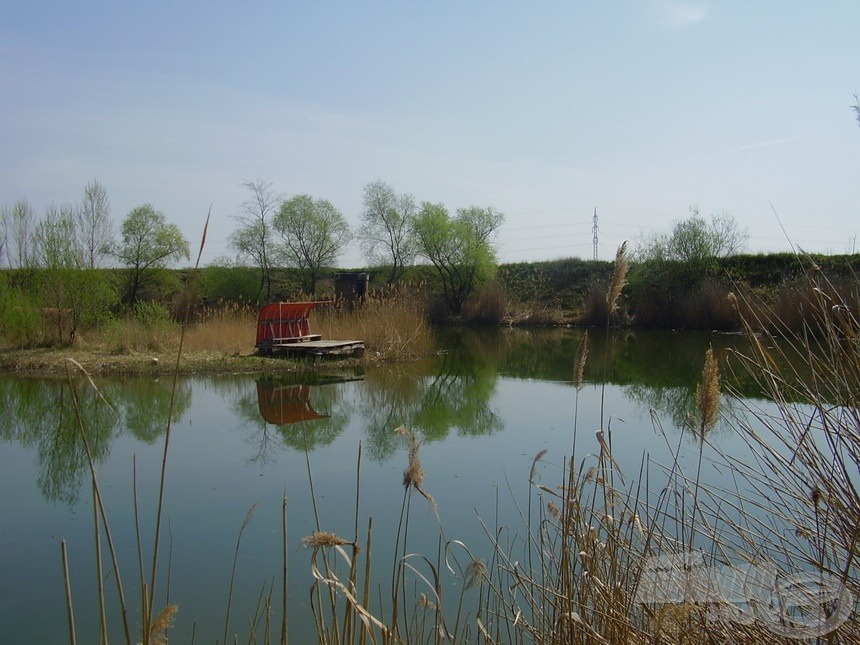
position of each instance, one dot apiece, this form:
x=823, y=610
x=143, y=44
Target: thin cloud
x=773, y=142
x=681, y=14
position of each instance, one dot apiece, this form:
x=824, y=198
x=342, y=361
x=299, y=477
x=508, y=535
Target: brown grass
x=393, y=326
x=231, y=330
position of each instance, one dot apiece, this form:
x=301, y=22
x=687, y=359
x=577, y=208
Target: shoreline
x=54, y=362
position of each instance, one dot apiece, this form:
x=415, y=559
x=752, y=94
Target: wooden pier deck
x=318, y=347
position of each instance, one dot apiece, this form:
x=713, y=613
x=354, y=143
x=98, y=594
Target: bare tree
x=253, y=238
x=19, y=225
x=386, y=229
x=93, y=225
x=856, y=108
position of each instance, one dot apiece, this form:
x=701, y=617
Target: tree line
x=272, y=231
x=394, y=232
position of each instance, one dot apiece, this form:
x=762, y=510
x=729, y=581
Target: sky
x=543, y=110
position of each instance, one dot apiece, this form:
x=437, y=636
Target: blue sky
x=543, y=110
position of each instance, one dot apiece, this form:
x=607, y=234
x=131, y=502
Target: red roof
x=283, y=321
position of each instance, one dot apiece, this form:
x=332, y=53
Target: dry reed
x=619, y=278
x=392, y=325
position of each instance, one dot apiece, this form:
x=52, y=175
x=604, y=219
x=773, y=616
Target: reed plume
x=708, y=394
x=413, y=476
x=162, y=622
x=325, y=540
x=414, y=473
x=619, y=278
x=581, y=357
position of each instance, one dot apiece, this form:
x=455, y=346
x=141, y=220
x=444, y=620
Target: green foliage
x=696, y=242
x=561, y=284
x=148, y=243
x=152, y=314
x=459, y=248
x=678, y=281
x=20, y=322
x=73, y=299
x=312, y=233
x=54, y=241
x=229, y=284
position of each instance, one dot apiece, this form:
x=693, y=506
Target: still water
x=484, y=407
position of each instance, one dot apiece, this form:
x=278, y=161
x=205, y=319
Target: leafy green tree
x=70, y=292
x=386, y=228
x=312, y=234
x=20, y=322
x=697, y=241
x=459, y=248
x=253, y=239
x=148, y=243
x=54, y=241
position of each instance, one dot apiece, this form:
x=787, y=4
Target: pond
x=483, y=408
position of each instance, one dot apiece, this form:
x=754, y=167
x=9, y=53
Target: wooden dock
x=319, y=348
x=284, y=327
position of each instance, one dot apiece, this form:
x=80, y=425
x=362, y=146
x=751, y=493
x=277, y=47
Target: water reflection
x=282, y=404
x=42, y=414
x=452, y=392
x=306, y=416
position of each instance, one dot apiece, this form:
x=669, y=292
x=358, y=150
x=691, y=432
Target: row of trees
x=301, y=232
x=394, y=233
x=307, y=235
x=80, y=237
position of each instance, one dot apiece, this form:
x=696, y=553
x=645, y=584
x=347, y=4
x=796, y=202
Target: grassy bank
x=221, y=339
x=41, y=308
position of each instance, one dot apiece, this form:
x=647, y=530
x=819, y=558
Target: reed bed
x=393, y=325
x=229, y=329
x=589, y=563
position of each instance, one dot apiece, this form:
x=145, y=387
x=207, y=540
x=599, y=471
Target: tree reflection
x=145, y=404
x=451, y=392
x=40, y=414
